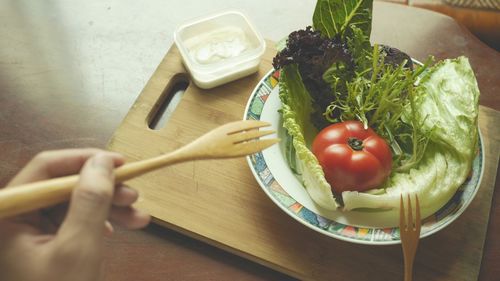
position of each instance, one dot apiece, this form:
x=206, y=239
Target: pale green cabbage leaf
x=447, y=105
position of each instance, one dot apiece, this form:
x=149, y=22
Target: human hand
x=65, y=242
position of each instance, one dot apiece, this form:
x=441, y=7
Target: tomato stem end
x=355, y=143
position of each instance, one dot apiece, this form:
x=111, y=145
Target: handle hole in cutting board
x=168, y=101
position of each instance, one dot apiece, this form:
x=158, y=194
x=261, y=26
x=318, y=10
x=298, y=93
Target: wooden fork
x=233, y=139
x=410, y=234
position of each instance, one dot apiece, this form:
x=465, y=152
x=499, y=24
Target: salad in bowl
x=365, y=123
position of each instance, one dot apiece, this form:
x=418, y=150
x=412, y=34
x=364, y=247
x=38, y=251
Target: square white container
x=202, y=32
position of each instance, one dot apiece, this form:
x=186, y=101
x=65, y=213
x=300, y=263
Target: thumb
x=91, y=199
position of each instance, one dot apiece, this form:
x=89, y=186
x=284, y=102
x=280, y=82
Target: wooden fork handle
x=408, y=270
x=32, y=196
x=15, y=200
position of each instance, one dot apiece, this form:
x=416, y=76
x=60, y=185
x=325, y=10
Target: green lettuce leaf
x=335, y=17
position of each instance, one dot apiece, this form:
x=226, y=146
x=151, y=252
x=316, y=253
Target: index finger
x=57, y=163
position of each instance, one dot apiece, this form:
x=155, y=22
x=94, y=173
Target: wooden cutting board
x=219, y=201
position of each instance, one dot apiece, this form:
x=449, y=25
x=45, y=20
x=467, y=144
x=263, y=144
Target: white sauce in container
x=219, y=48
x=217, y=45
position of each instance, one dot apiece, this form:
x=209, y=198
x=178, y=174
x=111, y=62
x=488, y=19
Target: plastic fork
x=409, y=230
x=233, y=139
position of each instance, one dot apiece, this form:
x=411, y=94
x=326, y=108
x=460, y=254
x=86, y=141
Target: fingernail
x=101, y=161
x=108, y=228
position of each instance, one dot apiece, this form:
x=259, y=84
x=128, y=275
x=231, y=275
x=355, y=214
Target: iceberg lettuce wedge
x=447, y=104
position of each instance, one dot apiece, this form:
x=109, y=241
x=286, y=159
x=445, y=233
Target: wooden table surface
x=70, y=70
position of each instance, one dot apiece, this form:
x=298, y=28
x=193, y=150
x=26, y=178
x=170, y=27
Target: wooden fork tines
x=409, y=229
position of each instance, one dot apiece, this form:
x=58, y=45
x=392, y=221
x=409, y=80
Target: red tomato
x=352, y=158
